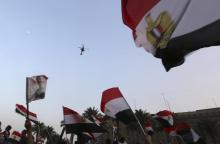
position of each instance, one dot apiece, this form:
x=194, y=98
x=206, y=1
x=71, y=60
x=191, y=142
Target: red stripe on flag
x=164, y=113
x=109, y=95
x=24, y=110
x=16, y=133
x=134, y=10
x=147, y=124
x=182, y=126
x=68, y=111
x=170, y=129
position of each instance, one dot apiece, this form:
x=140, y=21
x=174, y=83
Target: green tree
x=46, y=132
x=91, y=111
x=39, y=129
x=142, y=116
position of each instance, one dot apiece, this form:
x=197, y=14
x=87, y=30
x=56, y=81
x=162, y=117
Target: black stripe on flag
x=178, y=47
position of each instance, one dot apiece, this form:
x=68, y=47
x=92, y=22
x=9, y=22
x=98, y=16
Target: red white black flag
x=171, y=131
x=171, y=29
x=20, y=109
x=36, y=87
x=75, y=123
x=16, y=136
x=148, y=127
x=188, y=134
x=165, y=118
x=96, y=119
x=114, y=105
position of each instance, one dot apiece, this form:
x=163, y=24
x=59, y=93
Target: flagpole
x=142, y=129
x=27, y=103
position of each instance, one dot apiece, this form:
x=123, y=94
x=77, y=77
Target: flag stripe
x=72, y=119
x=109, y=95
x=164, y=113
x=115, y=106
x=68, y=111
x=23, y=111
x=15, y=136
x=126, y=116
x=133, y=11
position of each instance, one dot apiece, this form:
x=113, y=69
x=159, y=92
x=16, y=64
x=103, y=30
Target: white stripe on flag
x=195, y=136
x=169, y=118
x=72, y=119
x=175, y=8
x=114, y=106
x=199, y=14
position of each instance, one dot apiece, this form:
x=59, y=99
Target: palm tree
x=46, y=132
x=92, y=111
x=142, y=116
x=39, y=129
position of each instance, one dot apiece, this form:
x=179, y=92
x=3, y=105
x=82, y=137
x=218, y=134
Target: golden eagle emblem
x=158, y=32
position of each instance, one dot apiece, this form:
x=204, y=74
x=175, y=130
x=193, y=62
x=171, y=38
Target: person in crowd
x=23, y=137
x=6, y=134
x=28, y=126
x=1, y=135
x=0, y=126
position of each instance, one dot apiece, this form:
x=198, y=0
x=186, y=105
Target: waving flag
x=36, y=87
x=16, y=136
x=148, y=127
x=96, y=120
x=165, y=118
x=188, y=134
x=20, y=109
x=170, y=131
x=114, y=105
x=75, y=123
x=171, y=29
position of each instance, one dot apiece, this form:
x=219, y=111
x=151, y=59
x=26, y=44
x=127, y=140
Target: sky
x=43, y=36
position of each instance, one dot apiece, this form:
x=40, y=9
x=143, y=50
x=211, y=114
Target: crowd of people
x=25, y=137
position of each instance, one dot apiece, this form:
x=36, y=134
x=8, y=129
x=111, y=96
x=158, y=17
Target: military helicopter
x=82, y=49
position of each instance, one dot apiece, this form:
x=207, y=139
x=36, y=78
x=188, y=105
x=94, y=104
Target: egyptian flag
x=165, y=118
x=96, y=119
x=15, y=136
x=36, y=87
x=148, y=127
x=188, y=134
x=114, y=105
x=171, y=29
x=20, y=109
x=75, y=123
x=171, y=131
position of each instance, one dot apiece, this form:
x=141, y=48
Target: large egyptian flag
x=171, y=29
x=188, y=134
x=36, y=87
x=165, y=118
x=114, y=105
x=20, y=109
x=75, y=123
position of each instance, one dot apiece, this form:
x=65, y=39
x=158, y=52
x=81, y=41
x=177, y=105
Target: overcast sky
x=43, y=36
